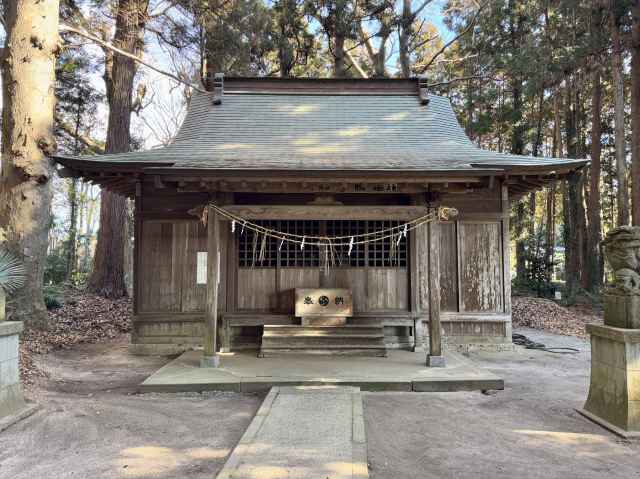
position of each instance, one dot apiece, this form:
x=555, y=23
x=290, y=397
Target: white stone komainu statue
x=614, y=392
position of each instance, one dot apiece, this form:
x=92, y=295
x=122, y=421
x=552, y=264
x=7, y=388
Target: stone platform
x=303, y=433
x=244, y=372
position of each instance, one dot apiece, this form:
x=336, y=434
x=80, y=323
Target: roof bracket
x=423, y=91
x=218, y=88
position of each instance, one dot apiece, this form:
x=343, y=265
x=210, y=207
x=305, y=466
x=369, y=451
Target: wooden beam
x=210, y=358
x=435, y=357
x=324, y=176
x=317, y=212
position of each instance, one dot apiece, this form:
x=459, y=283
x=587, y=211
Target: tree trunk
x=551, y=194
x=574, y=210
x=593, y=268
x=72, y=240
x=635, y=110
x=517, y=148
x=404, y=36
x=339, y=66
x=107, y=278
x=28, y=76
x=286, y=11
x=618, y=86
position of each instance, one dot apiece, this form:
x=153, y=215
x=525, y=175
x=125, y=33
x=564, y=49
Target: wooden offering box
x=323, y=307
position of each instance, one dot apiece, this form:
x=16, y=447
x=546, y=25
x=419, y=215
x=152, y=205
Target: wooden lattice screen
x=376, y=254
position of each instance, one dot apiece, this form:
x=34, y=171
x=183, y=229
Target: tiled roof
x=287, y=131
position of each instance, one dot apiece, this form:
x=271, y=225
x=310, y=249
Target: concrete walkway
x=303, y=433
x=244, y=372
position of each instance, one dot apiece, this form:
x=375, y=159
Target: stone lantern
x=614, y=393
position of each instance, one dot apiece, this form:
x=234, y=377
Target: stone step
x=319, y=341
x=298, y=344
x=320, y=334
x=370, y=352
x=322, y=330
x=330, y=340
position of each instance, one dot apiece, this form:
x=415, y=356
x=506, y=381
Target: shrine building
x=319, y=193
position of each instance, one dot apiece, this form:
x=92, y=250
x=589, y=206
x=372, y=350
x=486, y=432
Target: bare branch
x=470, y=77
x=109, y=46
x=356, y=65
x=90, y=143
x=417, y=11
x=444, y=48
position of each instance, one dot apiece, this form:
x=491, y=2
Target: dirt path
x=92, y=425
x=529, y=430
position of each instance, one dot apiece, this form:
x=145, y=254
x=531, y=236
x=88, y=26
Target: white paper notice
x=201, y=268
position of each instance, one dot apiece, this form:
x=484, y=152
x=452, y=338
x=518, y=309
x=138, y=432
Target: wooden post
x=137, y=238
x=435, y=357
x=506, y=258
x=417, y=247
x=210, y=359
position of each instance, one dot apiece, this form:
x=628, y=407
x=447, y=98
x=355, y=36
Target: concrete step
x=330, y=340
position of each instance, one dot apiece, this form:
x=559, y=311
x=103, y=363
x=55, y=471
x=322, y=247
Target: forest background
x=554, y=78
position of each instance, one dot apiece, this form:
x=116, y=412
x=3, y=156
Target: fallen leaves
x=539, y=313
x=84, y=318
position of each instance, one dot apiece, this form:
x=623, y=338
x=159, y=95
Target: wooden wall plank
x=421, y=238
x=157, y=281
x=354, y=279
x=480, y=266
x=195, y=240
x=448, y=267
x=387, y=289
x=257, y=289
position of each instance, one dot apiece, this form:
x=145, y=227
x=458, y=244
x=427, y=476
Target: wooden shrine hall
x=315, y=160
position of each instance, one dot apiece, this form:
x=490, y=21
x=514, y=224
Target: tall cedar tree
x=635, y=109
x=108, y=278
x=617, y=74
x=28, y=76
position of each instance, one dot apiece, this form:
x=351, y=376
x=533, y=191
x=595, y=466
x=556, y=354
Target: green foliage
x=55, y=271
x=539, y=268
x=12, y=272
x=53, y=297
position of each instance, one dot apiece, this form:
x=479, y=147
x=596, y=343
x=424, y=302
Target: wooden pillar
x=418, y=254
x=435, y=357
x=137, y=238
x=210, y=359
x=506, y=258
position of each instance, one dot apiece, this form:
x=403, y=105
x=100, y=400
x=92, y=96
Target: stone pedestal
x=11, y=398
x=622, y=311
x=614, y=393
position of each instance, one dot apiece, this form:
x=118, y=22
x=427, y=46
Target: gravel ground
x=92, y=425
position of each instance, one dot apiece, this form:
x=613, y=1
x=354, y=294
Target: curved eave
x=125, y=177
